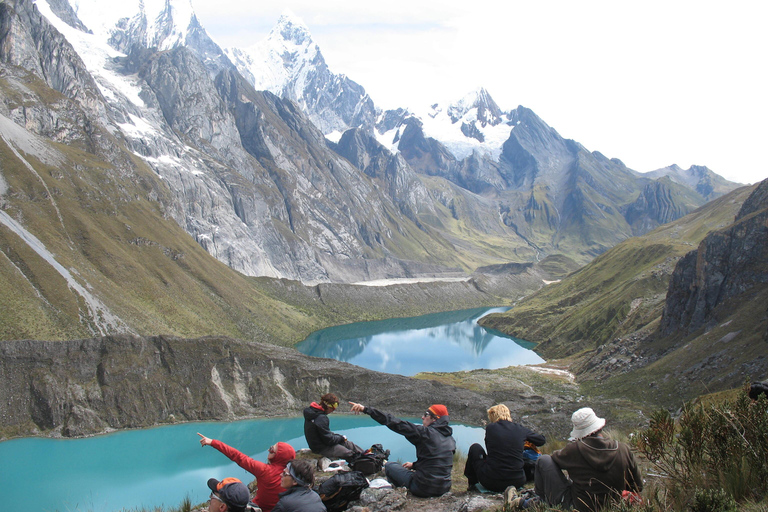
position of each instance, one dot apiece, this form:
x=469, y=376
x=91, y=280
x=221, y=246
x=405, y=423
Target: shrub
x=711, y=451
x=712, y=500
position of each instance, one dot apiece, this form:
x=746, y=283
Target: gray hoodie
x=600, y=469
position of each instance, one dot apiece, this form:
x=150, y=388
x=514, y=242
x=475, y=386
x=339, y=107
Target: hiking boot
x=523, y=501
x=510, y=493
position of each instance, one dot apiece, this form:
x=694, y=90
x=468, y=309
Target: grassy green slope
x=120, y=246
x=619, y=292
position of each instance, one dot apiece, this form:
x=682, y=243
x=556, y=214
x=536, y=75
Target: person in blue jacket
x=430, y=474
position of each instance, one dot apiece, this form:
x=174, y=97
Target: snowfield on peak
x=96, y=54
x=439, y=125
x=285, y=55
x=102, y=17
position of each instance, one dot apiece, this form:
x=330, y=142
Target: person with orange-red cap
x=267, y=475
x=227, y=495
x=430, y=474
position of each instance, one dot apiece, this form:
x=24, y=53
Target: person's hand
x=357, y=408
x=204, y=441
x=408, y=465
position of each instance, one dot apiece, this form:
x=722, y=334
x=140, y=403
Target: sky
x=653, y=83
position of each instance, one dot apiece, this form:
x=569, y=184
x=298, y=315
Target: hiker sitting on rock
x=298, y=477
x=503, y=465
x=228, y=495
x=267, y=475
x=430, y=475
x=318, y=434
x=599, y=469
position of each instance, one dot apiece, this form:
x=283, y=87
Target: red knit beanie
x=438, y=410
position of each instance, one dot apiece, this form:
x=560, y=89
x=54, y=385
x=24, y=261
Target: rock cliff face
x=727, y=263
x=80, y=387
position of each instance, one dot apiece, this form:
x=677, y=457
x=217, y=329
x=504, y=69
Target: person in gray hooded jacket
x=599, y=469
x=430, y=475
x=297, y=480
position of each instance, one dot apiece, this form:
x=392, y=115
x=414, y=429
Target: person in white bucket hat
x=585, y=422
x=599, y=469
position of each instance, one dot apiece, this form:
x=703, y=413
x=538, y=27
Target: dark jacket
x=299, y=499
x=316, y=429
x=504, y=442
x=434, y=450
x=600, y=469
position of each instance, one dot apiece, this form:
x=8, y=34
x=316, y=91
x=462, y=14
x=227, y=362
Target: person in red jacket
x=267, y=475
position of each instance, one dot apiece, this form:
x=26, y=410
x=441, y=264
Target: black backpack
x=340, y=489
x=371, y=460
x=758, y=388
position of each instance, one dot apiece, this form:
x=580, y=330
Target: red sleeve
x=252, y=466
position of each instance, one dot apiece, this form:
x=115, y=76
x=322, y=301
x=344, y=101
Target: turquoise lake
x=160, y=466
x=441, y=342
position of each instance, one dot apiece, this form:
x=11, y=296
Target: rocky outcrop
x=656, y=205
x=79, y=387
x=27, y=40
x=726, y=264
x=697, y=177
x=399, y=181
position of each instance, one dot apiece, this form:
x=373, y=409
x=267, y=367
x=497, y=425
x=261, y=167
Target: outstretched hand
x=357, y=408
x=204, y=441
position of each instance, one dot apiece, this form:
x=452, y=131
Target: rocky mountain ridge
x=255, y=184
x=728, y=263
x=680, y=311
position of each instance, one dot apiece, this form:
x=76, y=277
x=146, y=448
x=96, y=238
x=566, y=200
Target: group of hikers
x=599, y=470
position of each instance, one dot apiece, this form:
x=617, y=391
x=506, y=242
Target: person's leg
x=475, y=456
x=398, y=475
x=352, y=446
x=338, y=451
x=551, y=484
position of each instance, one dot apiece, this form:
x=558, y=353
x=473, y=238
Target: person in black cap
x=229, y=495
x=297, y=480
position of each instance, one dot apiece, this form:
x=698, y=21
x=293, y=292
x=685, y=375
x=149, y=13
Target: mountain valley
x=162, y=196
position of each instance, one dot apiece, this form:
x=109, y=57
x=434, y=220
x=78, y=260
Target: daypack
x=531, y=454
x=758, y=388
x=340, y=489
x=371, y=460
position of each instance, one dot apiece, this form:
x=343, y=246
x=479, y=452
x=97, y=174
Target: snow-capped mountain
x=475, y=123
x=131, y=24
x=252, y=177
x=289, y=63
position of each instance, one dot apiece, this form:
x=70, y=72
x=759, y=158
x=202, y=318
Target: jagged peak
x=168, y=22
x=488, y=112
x=291, y=28
x=165, y=22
